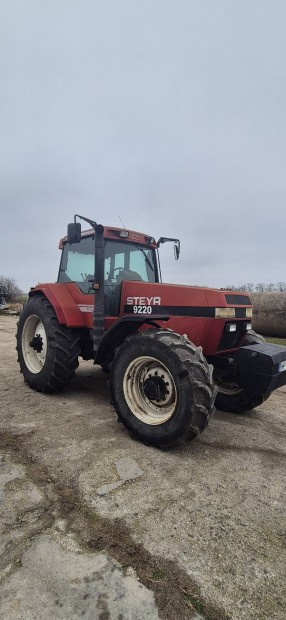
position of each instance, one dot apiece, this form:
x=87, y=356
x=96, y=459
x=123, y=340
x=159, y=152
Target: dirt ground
x=202, y=527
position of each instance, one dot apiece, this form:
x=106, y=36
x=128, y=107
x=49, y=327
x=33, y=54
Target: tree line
x=260, y=287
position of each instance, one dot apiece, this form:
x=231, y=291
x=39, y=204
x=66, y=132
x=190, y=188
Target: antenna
x=121, y=221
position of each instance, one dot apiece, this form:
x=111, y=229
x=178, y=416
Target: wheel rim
x=149, y=390
x=34, y=344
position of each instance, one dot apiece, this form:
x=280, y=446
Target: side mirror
x=74, y=233
x=176, y=252
x=177, y=246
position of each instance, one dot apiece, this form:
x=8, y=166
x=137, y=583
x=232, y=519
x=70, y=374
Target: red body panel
x=74, y=309
x=202, y=331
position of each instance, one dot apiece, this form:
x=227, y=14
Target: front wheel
x=47, y=351
x=162, y=387
x=233, y=398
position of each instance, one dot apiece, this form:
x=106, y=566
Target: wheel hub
x=151, y=389
x=37, y=343
x=155, y=388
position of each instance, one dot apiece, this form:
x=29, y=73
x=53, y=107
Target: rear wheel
x=47, y=351
x=162, y=387
x=233, y=398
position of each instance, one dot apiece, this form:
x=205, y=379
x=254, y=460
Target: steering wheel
x=111, y=275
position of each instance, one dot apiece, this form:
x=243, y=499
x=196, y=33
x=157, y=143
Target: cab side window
x=77, y=264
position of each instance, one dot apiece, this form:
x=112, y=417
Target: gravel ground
x=202, y=526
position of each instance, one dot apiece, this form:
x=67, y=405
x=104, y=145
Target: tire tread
x=194, y=365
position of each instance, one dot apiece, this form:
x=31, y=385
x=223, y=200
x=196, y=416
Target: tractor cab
x=122, y=255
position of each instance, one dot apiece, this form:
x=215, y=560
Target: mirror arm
x=91, y=222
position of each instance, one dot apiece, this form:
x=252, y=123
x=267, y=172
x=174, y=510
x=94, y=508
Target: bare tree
x=250, y=287
x=12, y=290
x=230, y=287
x=270, y=287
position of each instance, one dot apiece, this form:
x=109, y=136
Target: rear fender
x=67, y=311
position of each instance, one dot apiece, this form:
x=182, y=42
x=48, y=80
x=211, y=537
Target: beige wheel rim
x=149, y=390
x=34, y=344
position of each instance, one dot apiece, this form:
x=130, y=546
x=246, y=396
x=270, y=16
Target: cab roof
x=118, y=234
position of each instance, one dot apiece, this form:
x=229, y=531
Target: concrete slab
x=127, y=470
x=59, y=584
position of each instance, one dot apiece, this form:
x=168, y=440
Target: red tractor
x=172, y=351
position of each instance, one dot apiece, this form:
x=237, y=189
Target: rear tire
x=231, y=397
x=162, y=387
x=47, y=351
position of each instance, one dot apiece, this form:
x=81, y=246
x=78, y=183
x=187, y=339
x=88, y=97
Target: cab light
x=124, y=233
x=225, y=313
x=248, y=313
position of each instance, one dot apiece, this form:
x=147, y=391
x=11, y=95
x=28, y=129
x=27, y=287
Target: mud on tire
x=50, y=363
x=162, y=387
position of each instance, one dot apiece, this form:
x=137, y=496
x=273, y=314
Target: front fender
x=125, y=326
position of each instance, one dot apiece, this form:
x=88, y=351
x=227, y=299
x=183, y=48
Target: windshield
x=123, y=261
x=127, y=261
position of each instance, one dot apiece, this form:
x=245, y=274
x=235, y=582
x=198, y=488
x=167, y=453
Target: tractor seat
x=127, y=274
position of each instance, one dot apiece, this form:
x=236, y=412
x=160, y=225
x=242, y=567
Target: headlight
x=231, y=327
x=225, y=313
x=282, y=366
x=248, y=313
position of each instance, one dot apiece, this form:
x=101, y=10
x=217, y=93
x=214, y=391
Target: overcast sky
x=170, y=114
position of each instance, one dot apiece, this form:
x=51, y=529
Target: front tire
x=47, y=351
x=162, y=387
x=233, y=398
